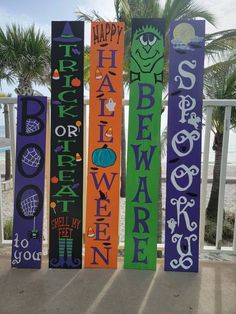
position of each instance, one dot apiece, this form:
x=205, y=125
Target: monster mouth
x=153, y=56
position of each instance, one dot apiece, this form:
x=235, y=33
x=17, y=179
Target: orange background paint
x=98, y=235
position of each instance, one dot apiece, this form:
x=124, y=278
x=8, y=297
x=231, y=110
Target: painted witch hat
x=67, y=35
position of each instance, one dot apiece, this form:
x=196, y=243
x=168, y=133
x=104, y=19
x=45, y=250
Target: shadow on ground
x=212, y=290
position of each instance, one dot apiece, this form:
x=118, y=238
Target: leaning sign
x=29, y=182
x=184, y=145
x=143, y=167
x=103, y=188
x=66, y=190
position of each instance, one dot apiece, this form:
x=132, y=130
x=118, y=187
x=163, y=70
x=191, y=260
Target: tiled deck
x=212, y=290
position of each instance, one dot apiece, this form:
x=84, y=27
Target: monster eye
x=152, y=39
x=144, y=39
x=148, y=39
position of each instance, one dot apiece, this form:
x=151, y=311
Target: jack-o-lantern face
x=147, y=48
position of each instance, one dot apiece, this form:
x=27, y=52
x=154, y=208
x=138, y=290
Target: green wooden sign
x=146, y=75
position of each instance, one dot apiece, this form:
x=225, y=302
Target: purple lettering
x=142, y=188
x=138, y=221
x=138, y=250
x=144, y=156
x=149, y=95
x=111, y=57
x=103, y=178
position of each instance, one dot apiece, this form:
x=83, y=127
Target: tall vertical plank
x=29, y=182
x=184, y=145
x=146, y=76
x=66, y=179
x=103, y=181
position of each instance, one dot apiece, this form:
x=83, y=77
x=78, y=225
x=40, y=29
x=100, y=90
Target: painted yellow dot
x=53, y=205
x=78, y=123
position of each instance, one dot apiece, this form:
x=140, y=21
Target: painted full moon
x=184, y=32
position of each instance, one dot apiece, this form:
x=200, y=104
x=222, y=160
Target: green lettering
x=66, y=160
x=65, y=205
x=67, y=50
x=66, y=145
x=65, y=65
x=61, y=96
x=66, y=190
x=64, y=111
x=65, y=175
x=68, y=80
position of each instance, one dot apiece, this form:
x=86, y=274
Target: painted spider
x=33, y=234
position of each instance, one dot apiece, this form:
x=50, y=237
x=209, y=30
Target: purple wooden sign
x=184, y=145
x=29, y=182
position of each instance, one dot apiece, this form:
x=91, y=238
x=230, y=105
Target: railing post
x=1, y=215
x=12, y=138
x=47, y=172
x=205, y=175
x=234, y=240
x=85, y=160
x=220, y=214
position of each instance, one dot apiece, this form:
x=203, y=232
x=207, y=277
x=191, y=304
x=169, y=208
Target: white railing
x=209, y=105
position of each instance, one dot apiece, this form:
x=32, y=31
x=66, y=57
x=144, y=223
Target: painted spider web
x=32, y=126
x=29, y=205
x=31, y=158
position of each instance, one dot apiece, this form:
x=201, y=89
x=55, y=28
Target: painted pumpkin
x=104, y=157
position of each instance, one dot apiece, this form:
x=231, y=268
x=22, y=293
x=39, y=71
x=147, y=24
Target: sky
x=41, y=13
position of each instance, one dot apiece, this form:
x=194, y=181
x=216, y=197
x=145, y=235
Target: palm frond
x=219, y=42
x=25, y=52
x=93, y=16
x=220, y=83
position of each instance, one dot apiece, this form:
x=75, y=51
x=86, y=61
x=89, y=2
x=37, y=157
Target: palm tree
x=220, y=83
x=86, y=65
x=171, y=10
x=24, y=57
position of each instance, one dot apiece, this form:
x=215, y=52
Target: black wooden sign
x=66, y=193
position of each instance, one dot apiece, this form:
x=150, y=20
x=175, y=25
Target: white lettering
x=192, y=65
x=185, y=141
x=185, y=173
x=186, y=104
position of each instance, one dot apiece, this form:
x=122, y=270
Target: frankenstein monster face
x=147, y=48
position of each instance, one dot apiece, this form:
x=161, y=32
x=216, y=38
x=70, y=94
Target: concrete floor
x=212, y=290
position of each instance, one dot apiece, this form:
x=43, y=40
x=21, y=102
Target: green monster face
x=147, y=48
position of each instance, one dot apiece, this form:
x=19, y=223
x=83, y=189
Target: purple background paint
x=22, y=226
x=194, y=157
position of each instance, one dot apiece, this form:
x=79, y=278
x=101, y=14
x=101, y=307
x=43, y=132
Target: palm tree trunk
x=123, y=155
x=214, y=197
x=7, y=153
x=24, y=87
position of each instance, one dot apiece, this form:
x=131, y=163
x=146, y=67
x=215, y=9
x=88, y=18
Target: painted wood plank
x=184, y=145
x=66, y=189
x=143, y=166
x=103, y=181
x=29, y=182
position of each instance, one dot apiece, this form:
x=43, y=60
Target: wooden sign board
x=146, y=75
x=66, y=190
x=184, y=145
x=29, y=182
x=103, y=185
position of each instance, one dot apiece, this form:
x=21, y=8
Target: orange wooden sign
x=103, y=182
